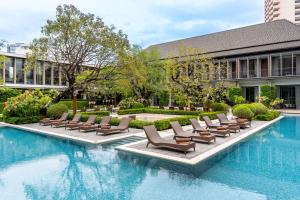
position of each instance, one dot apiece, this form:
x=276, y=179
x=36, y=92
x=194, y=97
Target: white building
x=18, y=48
x=282, y=9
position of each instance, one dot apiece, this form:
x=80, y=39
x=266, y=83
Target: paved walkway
x=75, y=135
x=150, y=117
x=289, y=111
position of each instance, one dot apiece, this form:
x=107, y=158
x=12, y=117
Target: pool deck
x=75, y=135
x=203, y=151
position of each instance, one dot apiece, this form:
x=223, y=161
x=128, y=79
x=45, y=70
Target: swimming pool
x=265, y=166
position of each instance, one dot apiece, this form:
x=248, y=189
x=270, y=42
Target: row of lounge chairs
x=103, y=127
x=183, y=140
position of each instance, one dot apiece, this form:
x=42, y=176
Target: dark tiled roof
x=256, y=38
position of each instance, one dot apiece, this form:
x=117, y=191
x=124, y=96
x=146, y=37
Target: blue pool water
x=266, y=166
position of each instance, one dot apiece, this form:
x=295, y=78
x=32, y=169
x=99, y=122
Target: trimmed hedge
x=98, y=113
x=157, y=111
x=243, y=111
x=219, y=107
x=165, y=123
x=80, y=104
x=260, y=108
x=268, y=116
x=211, y=115
x=56, y=110
x=22, y=120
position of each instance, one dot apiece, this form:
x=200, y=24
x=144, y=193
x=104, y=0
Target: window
x=55, y=74
x=29, y=76
x=296, y=64
x=223, y=70
x=243, y=69
x=287, y=65
x=47, y=73
x=19, y=71
x=276, y=66
x=233, y=68
x=264, y=67
x=39, y=73
x=253, y=68
x=9, y=70
x=63, y=75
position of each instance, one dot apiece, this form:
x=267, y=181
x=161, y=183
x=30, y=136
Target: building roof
x=280, y=34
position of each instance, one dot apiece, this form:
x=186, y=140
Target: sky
x=146, y=22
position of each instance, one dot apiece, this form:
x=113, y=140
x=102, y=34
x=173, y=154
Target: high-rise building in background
x=282, y=9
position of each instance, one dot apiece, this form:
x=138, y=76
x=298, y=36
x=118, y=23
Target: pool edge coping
x=201, y=157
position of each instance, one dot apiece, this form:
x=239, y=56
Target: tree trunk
x=68, y=91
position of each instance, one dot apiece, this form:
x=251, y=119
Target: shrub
x=219, y=107
x=211, y=115
x=23, y=120
x=165, y=123
x=243, y=111
x=1, y=107
x=6, y=93
x=157, y=111
x=260, y=108
x=268, y=116
x=28, y=104
x=56, y=110
x=239, y=100
x=80, y=104
x=163, y=98
x=128, y=103
x=98, y=113
x=269, y=92
x=137, y=105
x=234, y=92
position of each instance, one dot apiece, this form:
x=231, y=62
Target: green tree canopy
x=83, y=43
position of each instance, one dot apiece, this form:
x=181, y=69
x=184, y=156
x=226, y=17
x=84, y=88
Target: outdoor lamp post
x=75, y=101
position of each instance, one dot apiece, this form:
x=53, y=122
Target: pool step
x=127, y=140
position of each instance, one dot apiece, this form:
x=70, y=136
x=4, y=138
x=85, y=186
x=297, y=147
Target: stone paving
x=150, y=117
x=200, y=147
x=88, y=137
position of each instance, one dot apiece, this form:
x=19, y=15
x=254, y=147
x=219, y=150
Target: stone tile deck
x=75, y=135
x=150, y=117
x=203, y=151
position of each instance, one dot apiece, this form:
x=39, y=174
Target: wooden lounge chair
x=232, y=124
x=123, y=126
x=217, y=129
x=197, y=127
x=157, y=141
x=206, y=137
x=89, y=125
x=48, y=121
x=73, y=126
x=75, y=119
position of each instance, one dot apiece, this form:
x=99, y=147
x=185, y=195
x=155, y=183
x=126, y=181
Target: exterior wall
x=281, y=9
x=27, y=83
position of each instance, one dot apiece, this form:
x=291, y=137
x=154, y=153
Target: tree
x=3, y=59
x=84, y=44
x=189, y=73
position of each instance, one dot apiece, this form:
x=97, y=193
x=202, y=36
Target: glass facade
x=39, y=73
x=47, y=73
x=233, y=69
x=252, y=68
x=19, y=71
x=56, y=74
x=276, y=66
x=264, y=67
x=9, y=70
x=287, y=65
x=30, y=76
x=243, y=69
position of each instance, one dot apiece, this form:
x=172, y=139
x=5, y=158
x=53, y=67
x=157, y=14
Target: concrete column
x=297, y=91
x=59, y=74
x=3, y=74
x=44, y=73
x=238, y=68
x=170, y=100
x=34, y=74
x=15, y=71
